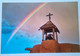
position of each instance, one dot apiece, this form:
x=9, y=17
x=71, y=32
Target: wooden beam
x=53, y=34
x=46, y=35
x=30, y=49
x=56, y=37
x=42, y=35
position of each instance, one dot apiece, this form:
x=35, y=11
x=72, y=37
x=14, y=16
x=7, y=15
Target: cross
x=49, y=16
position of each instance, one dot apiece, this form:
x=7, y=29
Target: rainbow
x=26, y=19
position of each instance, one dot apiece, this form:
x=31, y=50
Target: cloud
x=16, y=12
x=6, y=27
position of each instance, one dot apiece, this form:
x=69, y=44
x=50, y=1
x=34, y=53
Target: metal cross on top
x=49, y=16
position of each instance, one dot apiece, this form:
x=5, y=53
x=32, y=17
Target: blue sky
x=13, y=14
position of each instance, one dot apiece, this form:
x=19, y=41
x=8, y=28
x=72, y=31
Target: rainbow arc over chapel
x=26, y=19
